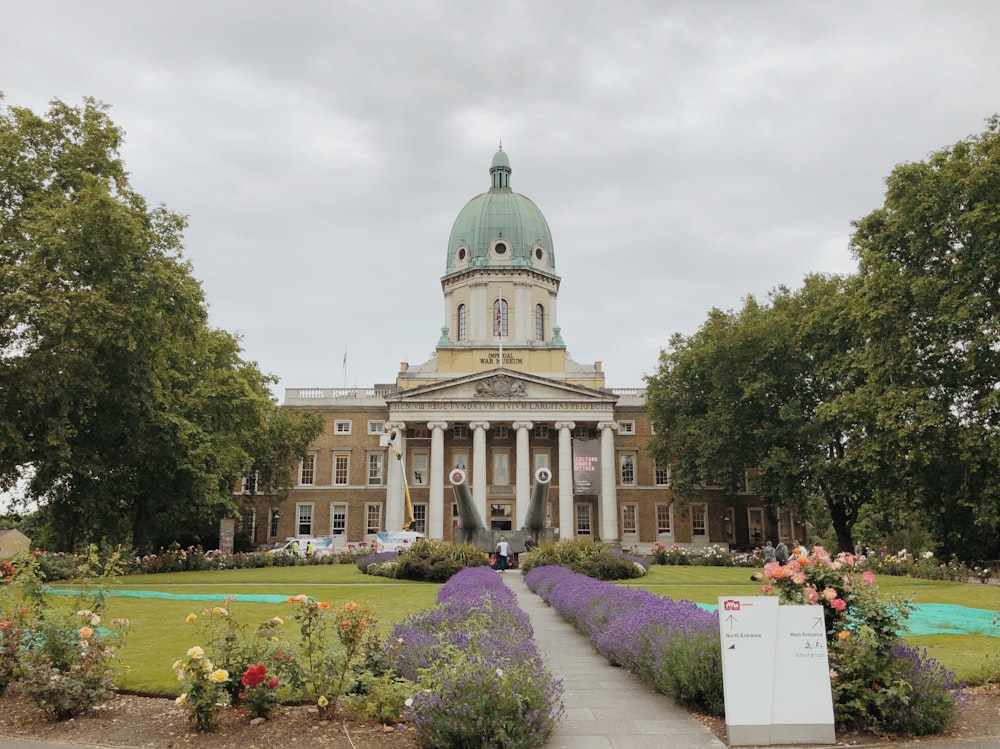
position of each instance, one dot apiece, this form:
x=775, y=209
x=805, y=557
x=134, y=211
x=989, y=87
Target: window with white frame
x=341, y=469
x=500, y=432
x=662, y=474
x=626, y=464
x=630, y=519
x=541, y=460
x=699, y=521
x=420, y=517
x=373, y=518
x=583, y=520
x=419, y=469
x=304, y=519
x=250, y=484
x=584, y=433
x=539, y=322
x=501, y=469
x=541, y=431
x=461, y=322
x=247, y=522
x=626, y=427
x=272, y=530
x=374, y=469
x=664, y=513
x=307, y=470
x=460, y=431
x=376, y=427
x=342, y=426
x=460, y=460
x=338, y=519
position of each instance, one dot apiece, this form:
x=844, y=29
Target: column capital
x=395, y=425
x=523, y=425
x=566, y=425
x=479, y=425
x=437, y=424
x=613, y=425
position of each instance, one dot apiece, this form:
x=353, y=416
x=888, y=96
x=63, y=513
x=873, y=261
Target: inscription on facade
x=493, y=360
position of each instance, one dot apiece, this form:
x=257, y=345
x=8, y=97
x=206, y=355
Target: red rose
x=254, y=676
x=272, y=684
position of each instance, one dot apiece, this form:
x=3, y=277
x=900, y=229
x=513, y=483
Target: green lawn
x=159, y=634
x=974, y=658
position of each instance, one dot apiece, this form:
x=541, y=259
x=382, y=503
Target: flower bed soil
x=156, y=723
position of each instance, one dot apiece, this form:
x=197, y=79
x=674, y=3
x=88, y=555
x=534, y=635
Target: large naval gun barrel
x=469, y=517
x=473, y=530
x=534, y=520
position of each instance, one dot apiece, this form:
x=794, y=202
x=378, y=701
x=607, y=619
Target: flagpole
x=500, y=327
x=345, y=367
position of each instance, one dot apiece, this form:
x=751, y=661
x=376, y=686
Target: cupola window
x=461, y=253
x=539, y=322
x=500, y=318
x=539, y=253
x=461, y=322
x=500, y=248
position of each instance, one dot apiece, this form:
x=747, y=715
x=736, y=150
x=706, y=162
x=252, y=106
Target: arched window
x=461, y=322
x=500, y=318
x=539, y=322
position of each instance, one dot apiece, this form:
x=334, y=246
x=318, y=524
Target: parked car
x=394, y=540
x=321, y=547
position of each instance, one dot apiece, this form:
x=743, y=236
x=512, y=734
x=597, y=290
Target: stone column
x=435, y=506
x=395, y=498
x=479, y=467
x=567, y=523
x=522, y=490
x=608, y=503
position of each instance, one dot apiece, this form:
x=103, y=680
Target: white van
x=321, y=547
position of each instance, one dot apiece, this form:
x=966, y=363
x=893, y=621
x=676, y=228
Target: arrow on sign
x=818, y=621
x=732, y=621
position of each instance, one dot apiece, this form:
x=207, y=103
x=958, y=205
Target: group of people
x=781, y=554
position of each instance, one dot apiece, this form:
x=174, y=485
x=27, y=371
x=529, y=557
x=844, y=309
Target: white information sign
x=775, y=672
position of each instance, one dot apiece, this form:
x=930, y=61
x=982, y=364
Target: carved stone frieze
x=500, y=386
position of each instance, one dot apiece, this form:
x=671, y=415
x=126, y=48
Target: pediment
x=502, y=385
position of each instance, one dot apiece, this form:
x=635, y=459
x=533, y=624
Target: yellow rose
x=196, y=652
x=190, y=618
x=219, y=675
x=322, y=701
x=182, y=699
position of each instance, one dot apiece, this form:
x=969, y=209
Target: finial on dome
x=500, y=170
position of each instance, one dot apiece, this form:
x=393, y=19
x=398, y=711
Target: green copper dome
x=500, y=228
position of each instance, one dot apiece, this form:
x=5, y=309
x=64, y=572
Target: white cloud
x=684, y=154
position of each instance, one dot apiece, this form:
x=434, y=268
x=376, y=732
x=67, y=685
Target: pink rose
x=868, y=577
x=838, y=604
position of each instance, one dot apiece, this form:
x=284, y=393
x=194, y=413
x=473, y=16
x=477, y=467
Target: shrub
x=875, y=682
x=435, y=562
x=482, y=682
x=68, y=667
x=259, y=692
x=675, y=555
x=206, y=693
x=587, y=557
x=672, y=645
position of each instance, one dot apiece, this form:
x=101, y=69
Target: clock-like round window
x=461, y=253
x=538, y=253
x=500, y=248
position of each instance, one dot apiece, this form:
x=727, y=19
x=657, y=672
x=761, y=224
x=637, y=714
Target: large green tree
x=769, y=387
x=929, y=269
x=131, y=416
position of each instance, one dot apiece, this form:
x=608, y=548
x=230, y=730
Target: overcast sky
x=685, y=154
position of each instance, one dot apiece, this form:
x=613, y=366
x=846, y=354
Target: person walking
x=769, y=553
x=503, y=552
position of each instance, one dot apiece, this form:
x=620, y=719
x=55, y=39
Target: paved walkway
x=606, y=707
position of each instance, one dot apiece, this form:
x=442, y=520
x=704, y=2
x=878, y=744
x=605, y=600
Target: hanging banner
x=586, y=466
